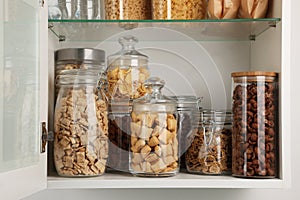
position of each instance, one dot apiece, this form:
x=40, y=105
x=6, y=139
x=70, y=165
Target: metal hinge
x=46, y=136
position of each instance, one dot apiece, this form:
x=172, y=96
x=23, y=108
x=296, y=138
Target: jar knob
x=155, y=84
x=128, y=41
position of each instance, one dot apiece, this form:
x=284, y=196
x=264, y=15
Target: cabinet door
x=23, y=97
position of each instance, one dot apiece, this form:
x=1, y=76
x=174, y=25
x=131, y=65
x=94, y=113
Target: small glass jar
x=127, y=10
x=154, y=141
x=255, y=124
x=178, y=9
x=119, y=118
x=187, y=106
x=80, y=126
x=209, y=149
x=127, y=72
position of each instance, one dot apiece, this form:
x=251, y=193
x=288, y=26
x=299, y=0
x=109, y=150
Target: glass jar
x=127, y=10
x=80, y=126
x=255, y=124
x=119, y=118
x=127, y=71
x=154, y=142
x=209, y=149
x=186, y=107
x=228, y=9
x=86, y=9
x=178, y=9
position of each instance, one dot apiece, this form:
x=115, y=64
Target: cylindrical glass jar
x=255, y=124
x=154, y=141
x=127, y=71
x=80, y=126
x=209, y=149
x=186, y=107
x=127, y=10
x=219, y=9
x=119, y=118
x=178, y=9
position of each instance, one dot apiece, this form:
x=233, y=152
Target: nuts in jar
x=129, y=9
x=210, y=144
x=81, y=127
x=255, y=124
x=178, y=9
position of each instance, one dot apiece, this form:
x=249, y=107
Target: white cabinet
x=198, y=54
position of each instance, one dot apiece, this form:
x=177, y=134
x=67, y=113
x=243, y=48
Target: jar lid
x=187, y=102
x=78, y=77
x=214, y=116
x=80, y=54
x=254, y=73
x=155, y=101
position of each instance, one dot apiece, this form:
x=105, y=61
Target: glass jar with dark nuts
x=255, y=124
x=209, y=149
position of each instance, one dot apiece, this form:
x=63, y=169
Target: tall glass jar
x=187, y=106
x=127, y=71
x=255, y=124
x=127, y=10
x=209, y=149
x=178, y=9
x=119, y=135
x=154, y=139
x=81, y=126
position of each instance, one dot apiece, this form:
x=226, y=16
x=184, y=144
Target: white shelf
x=182, y=180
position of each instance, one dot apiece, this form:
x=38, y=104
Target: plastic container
x=209, y=151
x=255, y=124
x=127, y=10
x=127, y=72
x=80, y=126
x=179, y=9
x=154, y=141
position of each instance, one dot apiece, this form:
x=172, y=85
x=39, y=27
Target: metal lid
x=80, y=54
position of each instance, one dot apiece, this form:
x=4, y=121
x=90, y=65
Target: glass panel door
x=19, y=84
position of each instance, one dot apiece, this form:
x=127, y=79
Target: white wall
x=214, y=194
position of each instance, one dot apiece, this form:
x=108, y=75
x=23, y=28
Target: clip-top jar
x=209, y=149
x=127, y=71
x=187, y=106
x=255, y=124
x=81, y=126
x=154, y=142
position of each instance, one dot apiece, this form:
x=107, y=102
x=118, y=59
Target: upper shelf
x=199, y=30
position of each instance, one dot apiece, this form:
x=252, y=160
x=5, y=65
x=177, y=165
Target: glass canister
x=154, y=141
x=80, y=126
x=209, y=149
x=178, y=9
x=186, y=107
x=127, y=10
x=127, y=71
x=119, y=118
x=255, y=124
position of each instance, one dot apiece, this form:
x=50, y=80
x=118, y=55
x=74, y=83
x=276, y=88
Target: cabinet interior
x=191, y=63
